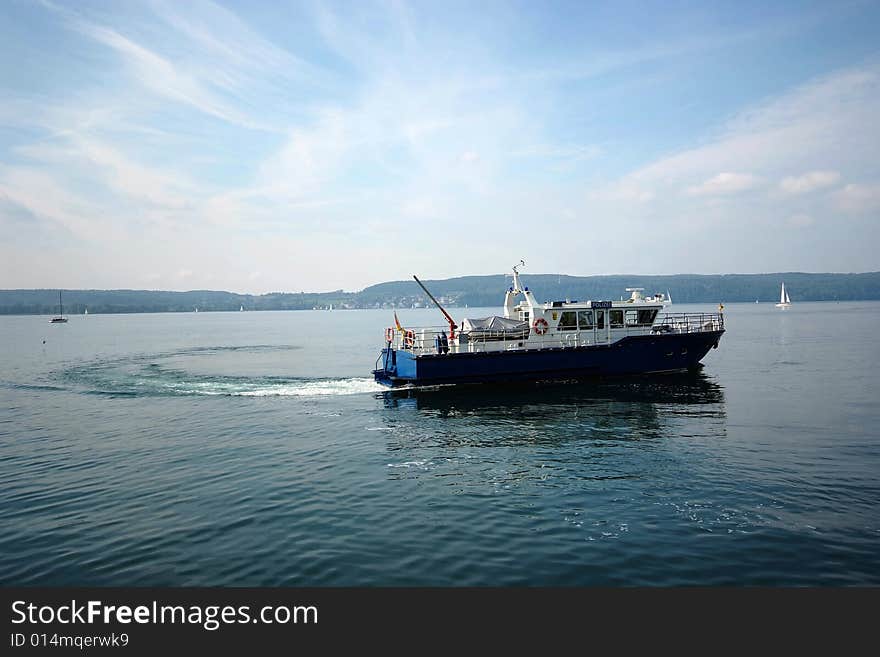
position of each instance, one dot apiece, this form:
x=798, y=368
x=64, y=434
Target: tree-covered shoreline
x=456, y=292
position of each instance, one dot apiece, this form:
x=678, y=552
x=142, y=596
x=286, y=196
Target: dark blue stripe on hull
x=631, y=355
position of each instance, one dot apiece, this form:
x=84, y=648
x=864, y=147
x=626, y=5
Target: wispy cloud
x=725, y=184
x=859, y=198
x=809, y=182
x=163, y=77
x=271, y=138
x=801, y=220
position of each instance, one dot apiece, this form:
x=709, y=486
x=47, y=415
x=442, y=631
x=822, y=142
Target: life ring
x=409, y=338
x=540, y=326
x=389, y=334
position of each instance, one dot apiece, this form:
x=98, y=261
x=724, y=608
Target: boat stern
x=386, y=367
x=395, y=367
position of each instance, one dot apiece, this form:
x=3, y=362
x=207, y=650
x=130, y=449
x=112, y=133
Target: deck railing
x=424, y=340
x=688, y=322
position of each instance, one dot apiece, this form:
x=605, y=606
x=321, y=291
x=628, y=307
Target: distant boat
x=61, y=319
x=241, y=310
x=86, y=311
x=784, y=301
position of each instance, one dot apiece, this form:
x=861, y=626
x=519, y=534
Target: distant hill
x=466, y=290
x=27, y=302
x=685, y=288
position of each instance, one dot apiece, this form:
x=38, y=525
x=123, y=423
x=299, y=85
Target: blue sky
x=272, y=146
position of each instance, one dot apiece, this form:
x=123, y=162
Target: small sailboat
x=784, y=301
x=61, y=319
x=241, y=310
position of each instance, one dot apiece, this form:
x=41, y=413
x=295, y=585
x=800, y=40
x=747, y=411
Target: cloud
x=858, y=198
x=163, y=77
x=801, y=220
x=191, y=134
x=725, y=184
x=830, y=120
x=625, y=191
x=809, y=182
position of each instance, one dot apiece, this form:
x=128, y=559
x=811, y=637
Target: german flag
x=397, y=322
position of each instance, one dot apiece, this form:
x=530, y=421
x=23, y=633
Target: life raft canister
x=540, y=326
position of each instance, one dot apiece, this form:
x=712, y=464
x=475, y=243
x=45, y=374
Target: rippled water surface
x=254, y=449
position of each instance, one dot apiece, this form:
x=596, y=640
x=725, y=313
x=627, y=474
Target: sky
x=314, y=146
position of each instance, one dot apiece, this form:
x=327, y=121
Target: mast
x=518, y=288
x=512, y=291
x=60, y=305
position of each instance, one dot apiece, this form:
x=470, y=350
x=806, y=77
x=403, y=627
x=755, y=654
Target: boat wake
x=316, y=387
x=163, y=375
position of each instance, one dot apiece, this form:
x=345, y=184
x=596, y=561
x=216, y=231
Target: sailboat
x=61, y=319
x=784, y=301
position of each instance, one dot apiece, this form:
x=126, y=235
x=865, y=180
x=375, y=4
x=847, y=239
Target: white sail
x=784, y=300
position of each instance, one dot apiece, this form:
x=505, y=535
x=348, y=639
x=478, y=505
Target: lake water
x=254, y=449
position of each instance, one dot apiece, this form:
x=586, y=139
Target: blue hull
x=631, y=355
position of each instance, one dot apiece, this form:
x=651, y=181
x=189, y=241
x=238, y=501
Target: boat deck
x=423, y=341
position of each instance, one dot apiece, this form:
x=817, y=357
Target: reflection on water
x=682, y=388
x=628, y=409
x=587, y=450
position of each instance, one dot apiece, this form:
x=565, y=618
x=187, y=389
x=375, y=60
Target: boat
x=61, y=319
x=555, y=340
x=241, y=309
x=784, y=301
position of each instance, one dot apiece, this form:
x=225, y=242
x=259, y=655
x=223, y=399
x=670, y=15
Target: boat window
x=600, y=319
x=568, y=321
x=585, y=319
x=646, y=317
x=616, y=318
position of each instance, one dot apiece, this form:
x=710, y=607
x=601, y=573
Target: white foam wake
x=316, y=388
